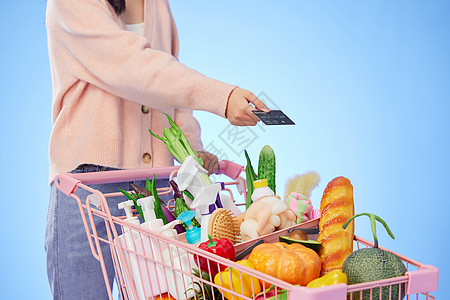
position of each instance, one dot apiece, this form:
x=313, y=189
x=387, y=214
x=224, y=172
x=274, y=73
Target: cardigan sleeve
x=88, y=38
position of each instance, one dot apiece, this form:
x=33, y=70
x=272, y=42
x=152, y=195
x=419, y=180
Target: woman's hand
x=239, y=110
x=210, y=161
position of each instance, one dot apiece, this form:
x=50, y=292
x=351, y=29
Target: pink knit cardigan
x=103, y=74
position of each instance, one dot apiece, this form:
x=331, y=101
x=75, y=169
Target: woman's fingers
x=259, y=105
x=210, y=161
x=239, y=108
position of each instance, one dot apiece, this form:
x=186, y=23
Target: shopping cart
x=149, y=265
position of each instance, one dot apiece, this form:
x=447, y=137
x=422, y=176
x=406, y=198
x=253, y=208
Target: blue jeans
x=72, y=270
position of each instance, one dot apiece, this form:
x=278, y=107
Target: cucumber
x=266, y=166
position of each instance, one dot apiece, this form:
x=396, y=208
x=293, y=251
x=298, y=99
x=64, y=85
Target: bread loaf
x=336, y=207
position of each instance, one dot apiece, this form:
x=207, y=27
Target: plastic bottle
x=205, y=193
x=193, y=233
x=149, y=246
x=151, y=222
x=203, y=202
x=261, y=189
x=178, y=259
x=127, y=240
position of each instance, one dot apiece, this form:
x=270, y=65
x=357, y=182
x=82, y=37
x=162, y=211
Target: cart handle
x=229, y=168
x=68, y=182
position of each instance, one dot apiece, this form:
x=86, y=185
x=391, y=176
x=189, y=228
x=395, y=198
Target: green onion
x=177, y=143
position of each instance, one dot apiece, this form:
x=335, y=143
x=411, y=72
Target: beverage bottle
x=261, y=189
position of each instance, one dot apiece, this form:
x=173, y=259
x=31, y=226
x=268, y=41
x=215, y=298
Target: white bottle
x=151, y=222
x=202, y=202
x=149, y=246
x=261, y=189
x=127, y=240
x=179, y=259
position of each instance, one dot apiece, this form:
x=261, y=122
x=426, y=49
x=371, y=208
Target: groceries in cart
x=269, y=226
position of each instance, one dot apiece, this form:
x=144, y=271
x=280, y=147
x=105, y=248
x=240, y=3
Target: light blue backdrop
x=368, y=84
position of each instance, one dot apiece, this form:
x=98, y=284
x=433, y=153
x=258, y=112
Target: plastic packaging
x=177, y=258
x=151, y=222
x=193, y=232
x=206, y=195
x=188, y=176
x=127, y=240
x=205, y=203
x=228, y=204
x=261, y=189
x=150, y=247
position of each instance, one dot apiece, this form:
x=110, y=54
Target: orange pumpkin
x=294, y=263
x=165, y=296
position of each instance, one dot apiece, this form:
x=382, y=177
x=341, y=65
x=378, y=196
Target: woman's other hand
x=239, y=110
x=210, y=161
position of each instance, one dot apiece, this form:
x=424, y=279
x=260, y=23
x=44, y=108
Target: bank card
x=273, y=117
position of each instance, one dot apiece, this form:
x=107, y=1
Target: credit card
x=273, y=117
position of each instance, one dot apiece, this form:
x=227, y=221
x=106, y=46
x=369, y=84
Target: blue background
x=367, y=83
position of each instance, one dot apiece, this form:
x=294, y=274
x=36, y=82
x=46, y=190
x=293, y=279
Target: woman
x=114, y=73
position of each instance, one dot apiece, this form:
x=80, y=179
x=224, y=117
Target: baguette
x=336, y=207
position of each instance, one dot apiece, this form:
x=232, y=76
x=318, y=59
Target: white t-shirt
x=136, y=28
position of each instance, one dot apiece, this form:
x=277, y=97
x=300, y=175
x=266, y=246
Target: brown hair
x=118, y=5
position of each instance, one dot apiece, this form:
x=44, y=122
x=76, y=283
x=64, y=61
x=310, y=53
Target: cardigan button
x=145, y=109
x=146, y=158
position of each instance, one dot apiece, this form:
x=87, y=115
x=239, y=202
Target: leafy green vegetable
x=157, y=203
x=203, y=290
x=250, y=177
x=188, y=194
x=148, y=185
x=272, y=293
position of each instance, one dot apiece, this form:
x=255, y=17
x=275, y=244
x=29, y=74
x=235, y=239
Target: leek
x=177, y=144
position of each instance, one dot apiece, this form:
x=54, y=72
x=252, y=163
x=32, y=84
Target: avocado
x=315, y=245
x=371, y=264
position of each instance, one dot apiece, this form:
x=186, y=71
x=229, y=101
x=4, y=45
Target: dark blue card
x=273, y=117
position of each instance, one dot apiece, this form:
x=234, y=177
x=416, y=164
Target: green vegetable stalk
x=188, y=194
x=250, y=177
x=373, y=226
x=177, y=143
x=151, y=186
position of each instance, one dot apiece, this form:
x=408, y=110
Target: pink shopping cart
x=149, y=265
